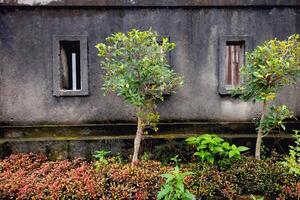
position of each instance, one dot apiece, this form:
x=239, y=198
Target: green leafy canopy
x=136, y=68
x=269, y=67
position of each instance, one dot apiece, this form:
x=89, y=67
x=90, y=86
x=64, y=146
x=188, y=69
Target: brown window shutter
x=233, y=62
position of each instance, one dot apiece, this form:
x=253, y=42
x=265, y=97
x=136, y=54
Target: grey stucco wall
x=26, y=60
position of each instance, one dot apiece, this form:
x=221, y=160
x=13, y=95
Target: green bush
x=211, y=148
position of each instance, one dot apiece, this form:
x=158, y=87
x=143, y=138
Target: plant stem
x=137, y=141
x=260, y=131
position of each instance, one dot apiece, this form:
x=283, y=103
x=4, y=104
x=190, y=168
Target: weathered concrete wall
x=26, y=60
x=32, y=119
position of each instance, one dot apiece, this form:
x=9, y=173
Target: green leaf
x=231, y=154
x=219, y=149
x=163, y=192
x=243, y=148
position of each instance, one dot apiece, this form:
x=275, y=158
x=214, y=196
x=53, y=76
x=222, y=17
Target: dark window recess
x=70, y=65
x=234, y=59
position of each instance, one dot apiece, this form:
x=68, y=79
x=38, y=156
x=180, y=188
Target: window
x=234, y=59
x=231, y=58
x=70, y=72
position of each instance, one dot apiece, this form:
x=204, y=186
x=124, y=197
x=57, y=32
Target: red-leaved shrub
x=30, y=176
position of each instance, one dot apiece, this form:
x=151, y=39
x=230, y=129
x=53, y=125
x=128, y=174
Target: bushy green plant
x=174, y=188
x=136, y=68
x=292, y=161
x=210, y=147
x=269, y=67
x=101, y=158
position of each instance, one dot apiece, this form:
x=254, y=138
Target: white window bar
x=74, y=78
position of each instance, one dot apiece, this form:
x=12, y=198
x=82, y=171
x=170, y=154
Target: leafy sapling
x=176, y=160
x=269, y=67
x=101, y=158
x=174, y=188
x=136, y=68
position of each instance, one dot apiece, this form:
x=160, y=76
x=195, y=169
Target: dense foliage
x=136, y=66
x=29, y=176
x=269, y=67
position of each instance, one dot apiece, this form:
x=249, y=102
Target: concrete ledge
x=69, y=141
x=127, y=131
x=149, y=3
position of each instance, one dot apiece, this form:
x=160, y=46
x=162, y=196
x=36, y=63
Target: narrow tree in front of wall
x=270, y=67
x=136, y=68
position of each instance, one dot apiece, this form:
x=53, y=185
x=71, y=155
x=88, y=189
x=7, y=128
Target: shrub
x=140, y=182
x=256, y=176
x=289, y=187
x=29, y=176
x=208, y=182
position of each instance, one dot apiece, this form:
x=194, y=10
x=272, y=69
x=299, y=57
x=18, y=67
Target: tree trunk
x=260, y=131
x=137, y=141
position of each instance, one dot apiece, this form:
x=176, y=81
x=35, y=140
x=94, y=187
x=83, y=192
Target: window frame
x=223, y=89
x=58, y=90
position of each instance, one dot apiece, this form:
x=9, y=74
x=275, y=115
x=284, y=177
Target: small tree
x=137, y=69
x=269, y=67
